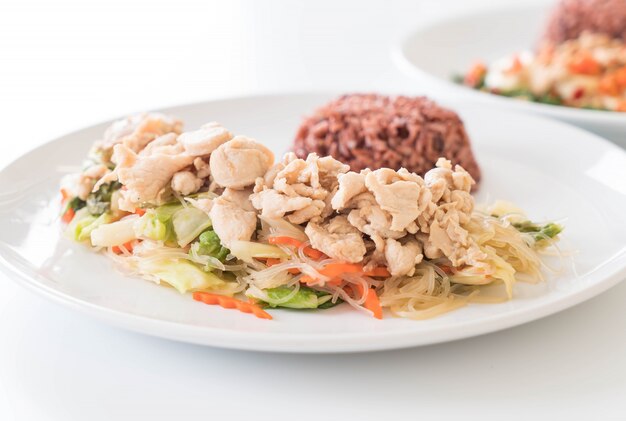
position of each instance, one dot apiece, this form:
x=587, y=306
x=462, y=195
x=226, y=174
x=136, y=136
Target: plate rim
x=320, y=342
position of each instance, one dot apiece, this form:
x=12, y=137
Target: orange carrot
x=378, y=271
x=128, y=246
x=585, y=65
x=290, y=241
x=139, y=211
x=68, y=215
x=475, y=74
x=230, y=302
x=372, y=303
x=65, y=195
x=271, y=261
x=335, y=270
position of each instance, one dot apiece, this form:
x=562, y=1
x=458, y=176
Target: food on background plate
x=580, y=62
x=586, y=72
x=376, y=131
x=214, y=215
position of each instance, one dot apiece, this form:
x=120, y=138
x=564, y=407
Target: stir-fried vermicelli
x=212, y=214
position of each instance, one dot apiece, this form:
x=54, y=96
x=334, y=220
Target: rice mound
x=573, y=17
x=376, y=131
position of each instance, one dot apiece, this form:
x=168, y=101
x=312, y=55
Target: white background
x=68, y=64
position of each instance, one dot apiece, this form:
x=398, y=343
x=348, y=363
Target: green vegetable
x=305, y=298
x=99, y=202
x=156, y=224
x=75, y=203
x=84, y=223
x=458, y=78
x=210, y=245
x=540, y=232
x=188, y=223
x=182, y=275
x=152, y=227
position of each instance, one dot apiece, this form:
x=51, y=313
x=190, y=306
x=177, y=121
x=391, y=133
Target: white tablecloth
x=67, y=64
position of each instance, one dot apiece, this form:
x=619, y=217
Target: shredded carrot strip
x=128, y=246
x=139, y=211
x=65, y=195
x=68, y=215
x=335, y=270
x=585, y=65
x=230, y=302
x=372, y=303
x=290, y=241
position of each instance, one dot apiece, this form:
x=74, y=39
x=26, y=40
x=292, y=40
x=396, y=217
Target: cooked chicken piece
x=186, y=182
x=203, y=170
x=88, y=179
x=447, y=237
x=313, y=211
x=240, y=198
x=137, y=131
x=275, y=205
x=238, y=162
x=402, y=258
x=165, y=144
x=145, y=176
x=298, y=186
x=337, y=239
x=231, y=222
x=205, y=140
x=350, y=185
x=368, y=217
x=397, y=193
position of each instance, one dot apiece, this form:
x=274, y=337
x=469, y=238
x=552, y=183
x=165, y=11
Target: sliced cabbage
x=152, y=227
x=189, y=223
x=182, y=275
x=279, y=226
x=304, y=298
x=84, y=223
x=115, y=233
x=247, y=250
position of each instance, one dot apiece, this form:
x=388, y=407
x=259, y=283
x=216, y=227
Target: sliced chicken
x=238, y=162
x=137, y=131
x=402, y=258
x=397, y=193
x=145, y=176
x=205, y=140
x=186, y=182
x=231, y=222
x=273, y=204
x=298, y=189
x=337, y=239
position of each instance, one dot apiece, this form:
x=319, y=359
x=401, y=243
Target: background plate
x=552, y=170
x=436, y=52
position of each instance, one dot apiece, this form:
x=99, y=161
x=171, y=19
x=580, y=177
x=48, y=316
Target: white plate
x=434, y=53
x=550, y=169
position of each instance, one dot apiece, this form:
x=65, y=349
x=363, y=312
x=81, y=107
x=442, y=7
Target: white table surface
x=67, y=64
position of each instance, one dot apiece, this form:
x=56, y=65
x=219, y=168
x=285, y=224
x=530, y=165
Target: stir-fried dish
x=213, y=214
x=585, y=72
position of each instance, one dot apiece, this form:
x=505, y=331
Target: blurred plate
x=436, y=52
x=552, y=170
